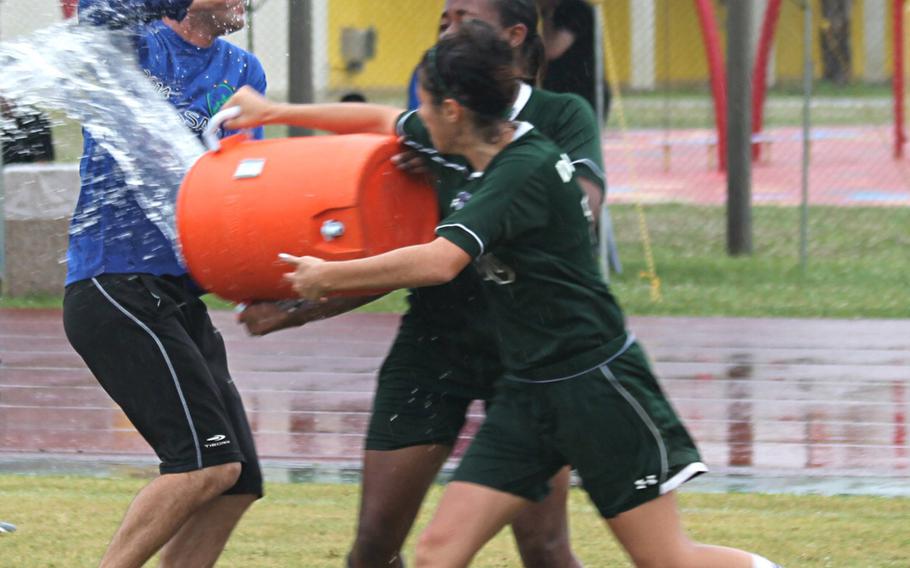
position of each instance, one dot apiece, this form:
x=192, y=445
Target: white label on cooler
x=249, y=169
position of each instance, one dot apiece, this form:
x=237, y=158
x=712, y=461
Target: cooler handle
x=210, y=135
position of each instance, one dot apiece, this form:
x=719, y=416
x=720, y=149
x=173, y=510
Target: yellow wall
x=679, y=51
x=405, y=28
x=679, y=48
x=789, y=41
x=618, y=27
x=857, y=40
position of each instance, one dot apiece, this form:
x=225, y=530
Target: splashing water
x=92, y=75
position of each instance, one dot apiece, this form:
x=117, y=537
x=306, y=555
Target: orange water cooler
x=333, y=197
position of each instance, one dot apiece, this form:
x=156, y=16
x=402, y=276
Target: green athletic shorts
x=613, y=424
x=426, y=385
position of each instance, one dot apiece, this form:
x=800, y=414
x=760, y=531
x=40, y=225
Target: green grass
x=858, y=265
x=32, y=302
x=65, y=522
x=854, y=90
x=691, y=106
x=697, y=111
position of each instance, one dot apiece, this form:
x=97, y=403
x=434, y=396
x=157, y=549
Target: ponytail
x=473, y=67
x=533, y=52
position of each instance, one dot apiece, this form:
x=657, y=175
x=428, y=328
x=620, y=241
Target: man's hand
x=255, y=110
x=306, y=279
x=410, y=162
x=265, y=317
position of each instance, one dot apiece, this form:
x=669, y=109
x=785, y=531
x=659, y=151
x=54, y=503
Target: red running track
x=805, y=398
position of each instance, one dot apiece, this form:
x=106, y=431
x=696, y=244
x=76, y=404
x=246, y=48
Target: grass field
x=66, y=522
x=858, y=265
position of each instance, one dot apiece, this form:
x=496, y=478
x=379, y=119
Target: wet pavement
x=775, y=404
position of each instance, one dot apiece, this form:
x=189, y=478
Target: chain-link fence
x=664, y=63
x=660, y=58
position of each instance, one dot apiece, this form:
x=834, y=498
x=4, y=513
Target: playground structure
x=658, y=150
x=708, y=22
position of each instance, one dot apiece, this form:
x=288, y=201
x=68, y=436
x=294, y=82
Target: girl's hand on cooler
x=255, y=109
x=306, y=279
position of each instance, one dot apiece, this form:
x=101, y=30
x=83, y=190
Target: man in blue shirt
x=134, y=315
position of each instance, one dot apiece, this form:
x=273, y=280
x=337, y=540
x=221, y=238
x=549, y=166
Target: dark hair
x=533, y=53
x=353, y=97
x=474, y=67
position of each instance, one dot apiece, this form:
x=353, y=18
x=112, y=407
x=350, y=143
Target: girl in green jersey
x=444, y=357
x=576, y=389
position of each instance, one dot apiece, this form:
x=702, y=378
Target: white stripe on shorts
x=167, y=360
x=684, y=475
x=611, y=378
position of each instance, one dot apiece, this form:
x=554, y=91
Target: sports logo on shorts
x=645, y=482
x=217, y=440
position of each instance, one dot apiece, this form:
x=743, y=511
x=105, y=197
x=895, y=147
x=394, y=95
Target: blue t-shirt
x=413, y=101
x=197, y=81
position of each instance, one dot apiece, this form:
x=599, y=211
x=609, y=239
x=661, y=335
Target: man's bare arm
x=262, y=318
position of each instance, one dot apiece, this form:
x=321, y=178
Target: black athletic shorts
x=613, y=424
x=426, y=386
x=150, y=343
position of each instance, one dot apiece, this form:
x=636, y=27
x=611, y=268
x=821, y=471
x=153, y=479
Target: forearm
x=124, y=13
x=415, y=266
x=340, y=118
x=409, y=267
x=263, y=318
x=301, y=312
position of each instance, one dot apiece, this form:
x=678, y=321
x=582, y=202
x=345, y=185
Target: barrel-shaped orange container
x=333, y=197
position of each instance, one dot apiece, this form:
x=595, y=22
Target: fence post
x=807, y=147
x=2, y=222
x=300, y=57
x=739, y=128
x=900, y=136
x=599, y=23
x=2, y=217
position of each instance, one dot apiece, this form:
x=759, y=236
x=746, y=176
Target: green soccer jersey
x=523, y=220
x=564, y=118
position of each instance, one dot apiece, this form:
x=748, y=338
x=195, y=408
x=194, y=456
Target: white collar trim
x=523, y=128
x=521, y=101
